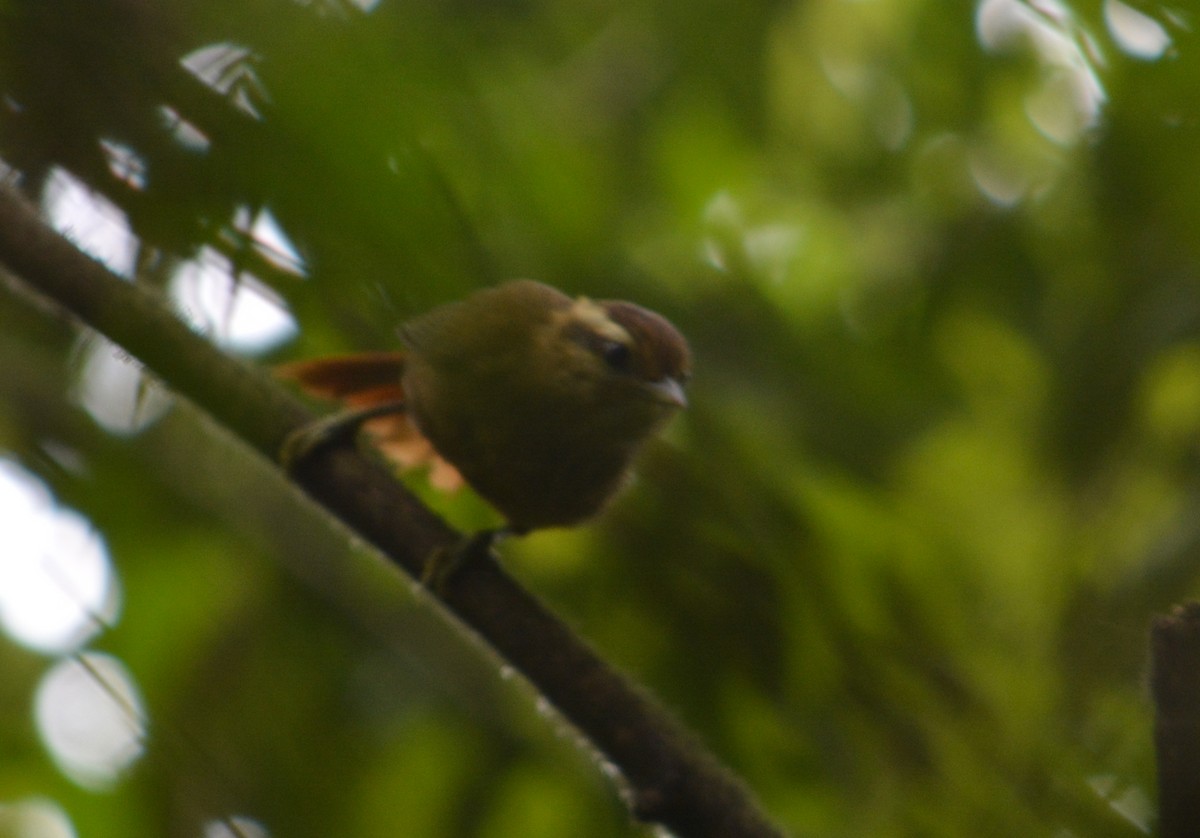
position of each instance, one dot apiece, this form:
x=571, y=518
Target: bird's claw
x=303, y=442
x=447, y=562
x=306, y=440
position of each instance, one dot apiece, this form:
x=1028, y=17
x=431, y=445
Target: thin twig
x=1175, y=684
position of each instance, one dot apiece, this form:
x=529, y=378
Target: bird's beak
x=670, y=391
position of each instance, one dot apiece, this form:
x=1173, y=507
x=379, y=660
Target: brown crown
x=661, y=350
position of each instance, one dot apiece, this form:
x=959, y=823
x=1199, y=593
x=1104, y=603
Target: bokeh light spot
x=89, y=715
x=57, y=587
x=34, y=818
x=236, y=826
x=239, y=313
x=1137, y=34
x=114, y=389
x=91, y=221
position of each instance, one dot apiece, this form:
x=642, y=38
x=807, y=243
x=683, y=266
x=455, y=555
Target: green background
x=895, y=564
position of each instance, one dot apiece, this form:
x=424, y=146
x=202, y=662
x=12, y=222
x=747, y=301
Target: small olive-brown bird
x=539, y=401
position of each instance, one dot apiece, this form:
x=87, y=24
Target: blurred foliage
x=897, y=561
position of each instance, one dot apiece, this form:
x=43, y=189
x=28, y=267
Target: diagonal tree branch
x=669, y=778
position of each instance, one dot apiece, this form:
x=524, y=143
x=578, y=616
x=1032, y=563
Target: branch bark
x=669, y=778
x=1175, y=685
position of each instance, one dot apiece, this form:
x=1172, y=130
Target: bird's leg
x=303, y=442
x=447, y=562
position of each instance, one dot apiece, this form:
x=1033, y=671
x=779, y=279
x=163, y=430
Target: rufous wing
x=365, y=380
x=358, y=380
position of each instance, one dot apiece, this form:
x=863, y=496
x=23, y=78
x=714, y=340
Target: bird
x=537, y=400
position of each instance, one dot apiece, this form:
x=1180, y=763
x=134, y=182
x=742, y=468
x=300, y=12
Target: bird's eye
x=617, y=355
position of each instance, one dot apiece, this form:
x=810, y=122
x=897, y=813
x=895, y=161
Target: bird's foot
x=448, y=562
x=338, y=428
